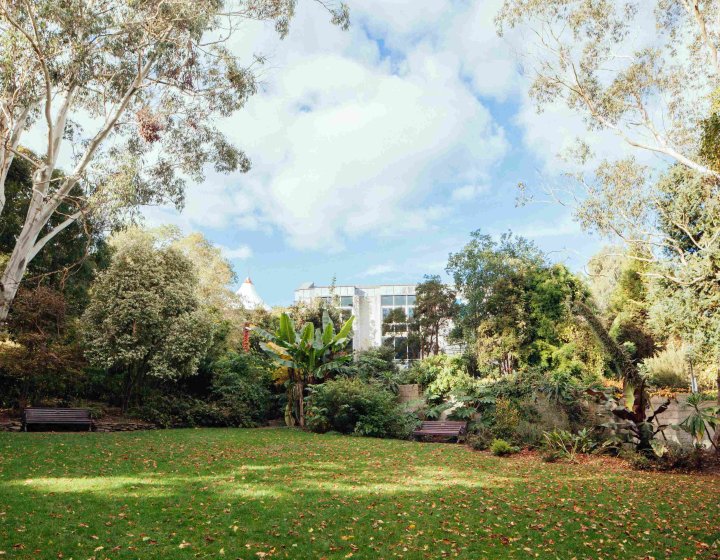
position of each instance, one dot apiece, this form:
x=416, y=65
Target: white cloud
x=241, y=252
x=379, y=270
x=345, y=144
x=468, y=192
x=565, y=226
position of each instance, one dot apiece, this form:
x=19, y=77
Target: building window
x=346, y=301
x=386, y=300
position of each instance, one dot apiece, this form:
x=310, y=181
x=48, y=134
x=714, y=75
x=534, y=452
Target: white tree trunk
x=16, y=266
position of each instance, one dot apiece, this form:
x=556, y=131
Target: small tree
x=435, y=307
x=144, y=319
x=308, y=354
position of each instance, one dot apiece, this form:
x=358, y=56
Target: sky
x=377, y=150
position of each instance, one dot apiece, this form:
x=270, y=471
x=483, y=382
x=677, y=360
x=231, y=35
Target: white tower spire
x=249, y=297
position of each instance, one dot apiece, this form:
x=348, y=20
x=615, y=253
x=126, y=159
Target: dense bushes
x=375, y=365
x=667, y=369
x=442, y=375
x=352, y=406
x=240, y=396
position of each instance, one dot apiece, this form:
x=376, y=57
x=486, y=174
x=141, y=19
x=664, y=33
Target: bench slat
x=444, y=428
x=70, y=416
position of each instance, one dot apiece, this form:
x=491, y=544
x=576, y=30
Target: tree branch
x=40, y=243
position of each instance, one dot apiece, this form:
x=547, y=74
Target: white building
x=249, y=297
x=381, y=314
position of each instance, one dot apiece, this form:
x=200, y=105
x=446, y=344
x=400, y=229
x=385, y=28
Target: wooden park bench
x=441, y=429
x=79, y=417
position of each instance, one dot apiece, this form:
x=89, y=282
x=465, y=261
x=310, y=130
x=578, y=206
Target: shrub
x=375, y=364
x=674, y=457
x=441, y=375
x=239, y=396
x=481, y=438
x=352, y=406
x=528, y=434
x=241, y=386
x=568, y=444
x=667, y=369
x=182, y=411
x=551, y=456
x=502, y=448
x=638, y=461
x=506, y=418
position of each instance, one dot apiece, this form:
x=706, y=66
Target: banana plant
x=308, y=354
x=701, y=421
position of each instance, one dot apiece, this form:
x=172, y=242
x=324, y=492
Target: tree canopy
x=136, y=89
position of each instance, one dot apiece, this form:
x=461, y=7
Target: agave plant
x=308, y=354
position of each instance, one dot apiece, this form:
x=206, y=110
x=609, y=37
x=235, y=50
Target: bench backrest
x=442, y=427
x=443, y=424
x=56, y=415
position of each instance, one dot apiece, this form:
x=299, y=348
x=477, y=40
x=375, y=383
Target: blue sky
x=378, y=150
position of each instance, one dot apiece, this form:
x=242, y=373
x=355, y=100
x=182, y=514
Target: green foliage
x=502, y=448
x=352, y=406
x=628, y=309
x=376, y=365
x=516, y=305
x=443, y=375
x=308, y=354
x=41, y=358
x=528, y=434
x=703, y=421
x=174, y=410
x=667, y=368
x=435, y=307
x=506, y=418
x=144, y=318
x=480, y=438
x=568, y=444
x=241, y=383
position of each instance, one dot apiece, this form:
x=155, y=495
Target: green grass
x=286, y=494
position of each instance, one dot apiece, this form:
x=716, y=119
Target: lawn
x=278, y=493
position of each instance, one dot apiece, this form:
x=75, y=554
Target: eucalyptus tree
x=643, y=70
x=133, y=89
x=648, y=72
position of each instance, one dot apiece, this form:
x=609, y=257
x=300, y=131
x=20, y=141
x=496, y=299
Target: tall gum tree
x=648, y=71
x=146, y=78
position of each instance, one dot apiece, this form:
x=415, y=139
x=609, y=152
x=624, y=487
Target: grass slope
x=286, y=494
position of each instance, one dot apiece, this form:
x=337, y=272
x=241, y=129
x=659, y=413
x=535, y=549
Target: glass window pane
x=411, y=300
x=401, y=348
x=346, y=301
x=386, y=312
x=414, y=348
x=410, y=312
x=400, y=300
x=386, y=300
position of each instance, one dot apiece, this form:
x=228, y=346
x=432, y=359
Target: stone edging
x=98, y=425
